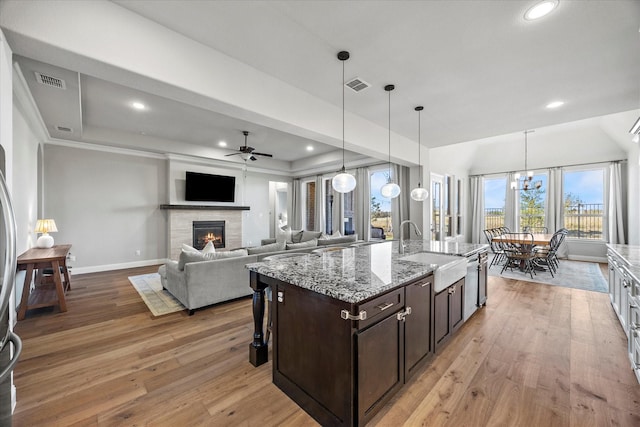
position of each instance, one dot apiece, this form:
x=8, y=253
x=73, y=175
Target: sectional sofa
x=201, y=279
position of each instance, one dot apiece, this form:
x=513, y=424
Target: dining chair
x=269, y=293
x=496, y=247
x=548, y=256
x=518, y=250
x=535, y=230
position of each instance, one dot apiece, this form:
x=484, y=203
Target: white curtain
x=400, y=205
x=615, y=212
x=511, y=205
x=477, y=209
x=297, y=204
x=319, y=222
x=337, y=212
x=362, y=221
x=554, y=217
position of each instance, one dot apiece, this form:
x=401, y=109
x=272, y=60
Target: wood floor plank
x=535, y=355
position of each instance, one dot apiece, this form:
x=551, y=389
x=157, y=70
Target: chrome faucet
x=402, y=244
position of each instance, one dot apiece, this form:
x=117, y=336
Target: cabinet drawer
x=380, y=307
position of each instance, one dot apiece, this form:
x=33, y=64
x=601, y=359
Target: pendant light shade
x=390, y=190
x=343, y=182
x=419, y=194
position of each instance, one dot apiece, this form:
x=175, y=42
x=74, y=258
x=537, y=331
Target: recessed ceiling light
x=222, y=143
x=555, y=104
x=540, y=9
x=309, y=147
x=138, y=105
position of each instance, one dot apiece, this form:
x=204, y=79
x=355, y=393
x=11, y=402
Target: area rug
x=570, y=274
x=158, y=300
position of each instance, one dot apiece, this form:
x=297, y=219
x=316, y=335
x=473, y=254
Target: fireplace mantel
x=206, y=207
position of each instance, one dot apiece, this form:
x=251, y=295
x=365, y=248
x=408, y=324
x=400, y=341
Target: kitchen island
x=351, y=326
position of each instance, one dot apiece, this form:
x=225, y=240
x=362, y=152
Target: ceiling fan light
x=390, y=190
x=343, y=182
x=419, y=194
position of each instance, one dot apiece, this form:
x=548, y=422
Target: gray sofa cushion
x=228, y=254
x=273, y=247
x=310, y=235
x=267, y=241
x=189, y=256
x=302, y=245
x=335, y=240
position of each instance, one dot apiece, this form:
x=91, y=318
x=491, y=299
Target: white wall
x=107, y=205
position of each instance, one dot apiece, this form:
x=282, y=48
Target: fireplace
x=208, y=231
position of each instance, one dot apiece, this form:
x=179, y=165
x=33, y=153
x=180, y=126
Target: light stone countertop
x=351, y=275
x=631, y=254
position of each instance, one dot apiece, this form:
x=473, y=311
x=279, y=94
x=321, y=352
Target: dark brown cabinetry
x=449, y=309
x=417, y=327
x=342, y=362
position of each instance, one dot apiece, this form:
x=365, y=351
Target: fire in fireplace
x=208, y=231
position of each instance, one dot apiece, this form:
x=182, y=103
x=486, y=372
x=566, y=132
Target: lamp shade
x=343, y=182
x=390, y=190
x=45, y=226
x=419, y=194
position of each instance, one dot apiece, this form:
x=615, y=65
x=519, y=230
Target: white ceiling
x=478, y=67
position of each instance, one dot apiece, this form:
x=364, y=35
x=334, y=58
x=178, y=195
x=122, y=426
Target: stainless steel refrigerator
x=10, y=344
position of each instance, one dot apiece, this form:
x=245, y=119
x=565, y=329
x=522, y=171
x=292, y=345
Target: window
x=330, y=222
x=532, y=205
x=380, y=206
x=494, y=195
x=458, y=207
x=583, y=195
x=349, y=203
x=446, y=206
x=309, y=211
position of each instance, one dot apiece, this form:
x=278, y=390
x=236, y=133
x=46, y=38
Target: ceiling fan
x=246, y=152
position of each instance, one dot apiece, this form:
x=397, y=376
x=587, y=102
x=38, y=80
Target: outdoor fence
x=583, y=220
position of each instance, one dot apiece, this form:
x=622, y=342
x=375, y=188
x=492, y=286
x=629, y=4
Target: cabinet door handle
x=348, y=316
x=425, y=284
x=383, y=307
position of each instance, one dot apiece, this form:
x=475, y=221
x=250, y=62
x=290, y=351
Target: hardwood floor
x=537, y=355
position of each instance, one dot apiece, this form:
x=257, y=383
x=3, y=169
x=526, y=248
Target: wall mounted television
x=203, y=187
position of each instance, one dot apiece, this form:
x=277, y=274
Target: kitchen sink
x=450, y=268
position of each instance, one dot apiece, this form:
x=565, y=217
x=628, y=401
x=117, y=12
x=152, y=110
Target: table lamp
x=45, y=226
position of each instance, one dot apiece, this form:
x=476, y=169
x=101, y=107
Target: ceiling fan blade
x=232, y=154
x=263, y=154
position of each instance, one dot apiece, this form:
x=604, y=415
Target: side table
x=44, y=295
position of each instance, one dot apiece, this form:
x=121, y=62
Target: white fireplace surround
x=180, y=223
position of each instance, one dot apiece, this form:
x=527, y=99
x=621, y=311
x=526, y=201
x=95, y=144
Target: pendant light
x=390, y=190
x=343, y=182
x=525, y=182
x=419, y=194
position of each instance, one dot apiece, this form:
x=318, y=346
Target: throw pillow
x=273, y=247
x=309, y=235
x=335, y=240
x=208, y=248
x=229, y=254
x=296, y=235
x=283, y=235
x=331, y=236
x=308, y=244
x=189, y=248
x=189, y=256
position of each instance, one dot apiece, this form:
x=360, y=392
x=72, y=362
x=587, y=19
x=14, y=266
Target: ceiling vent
x=357, y=84
x=64, y=129
x=43, y=79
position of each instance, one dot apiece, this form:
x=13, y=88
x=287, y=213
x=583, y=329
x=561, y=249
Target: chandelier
x=525, y=182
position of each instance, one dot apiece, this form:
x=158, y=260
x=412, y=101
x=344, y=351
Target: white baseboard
x=121, y=266
x=588, y=258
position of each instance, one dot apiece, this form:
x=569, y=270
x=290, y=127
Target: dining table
x=539, y=239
